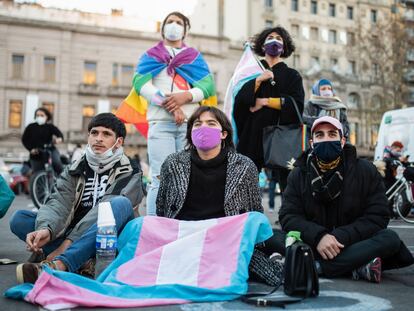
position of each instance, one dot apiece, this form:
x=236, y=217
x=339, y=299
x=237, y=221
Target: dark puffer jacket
x=359, y=212
x=241, y=195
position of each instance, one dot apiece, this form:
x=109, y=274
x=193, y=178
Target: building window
x=295, y=30
x=115, y=78
x=15, y=114
x=350, y=12
x=49, y=106
x=294, y=5
x=353, y=101
x=314, y=33
x=127, y=73
x=314, y=7
x=89, y=72
x=17, y=66
x=333, y=62
x=268, y=23
x=314, y=61
x=296, y=60
x=49, y=67
x=373, y=16
x=269, y=4
x=351, y=67
x=88, y=112
x=375, y=70
x=332, y=36
x=350, y=38
x=332, y=10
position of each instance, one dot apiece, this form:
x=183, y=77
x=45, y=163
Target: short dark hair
x=260, y=38
x=110, y=121
x=181, y=16
x=46, y=112
x=220, y=117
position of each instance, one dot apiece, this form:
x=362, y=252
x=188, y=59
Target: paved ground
x=395, y=292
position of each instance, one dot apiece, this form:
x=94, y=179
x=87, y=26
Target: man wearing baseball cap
x=337, y=201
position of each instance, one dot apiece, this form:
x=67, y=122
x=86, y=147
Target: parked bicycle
x=401, y=194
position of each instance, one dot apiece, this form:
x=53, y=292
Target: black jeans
x=38, y=163
x=384, y=244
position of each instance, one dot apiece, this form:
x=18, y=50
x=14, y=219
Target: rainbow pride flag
x=189, y=64
x=161, y=261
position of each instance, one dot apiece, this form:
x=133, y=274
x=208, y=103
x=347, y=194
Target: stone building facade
x=78, y=64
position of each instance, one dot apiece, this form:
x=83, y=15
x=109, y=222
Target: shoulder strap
x=296, y=108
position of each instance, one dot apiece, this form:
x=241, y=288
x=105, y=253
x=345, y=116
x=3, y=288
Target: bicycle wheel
x=41, y=185
x=403, y=207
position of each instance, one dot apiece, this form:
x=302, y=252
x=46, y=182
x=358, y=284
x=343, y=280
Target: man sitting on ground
x=337, y=201
x=63, y=232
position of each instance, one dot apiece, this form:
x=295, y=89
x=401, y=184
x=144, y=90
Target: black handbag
x=300, y=279
x=282, y=143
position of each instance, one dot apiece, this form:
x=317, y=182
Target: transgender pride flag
x=161, y=261
x=247, y=69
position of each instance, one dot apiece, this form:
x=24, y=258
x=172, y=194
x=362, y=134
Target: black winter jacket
x=357, y=214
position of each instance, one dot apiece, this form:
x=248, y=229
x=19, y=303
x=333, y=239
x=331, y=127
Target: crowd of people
x=333, y=198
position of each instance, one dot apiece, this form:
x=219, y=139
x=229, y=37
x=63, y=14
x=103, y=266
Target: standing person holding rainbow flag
x=260, y=94
x=170, y=82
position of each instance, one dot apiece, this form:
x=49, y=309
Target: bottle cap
x=105, y=215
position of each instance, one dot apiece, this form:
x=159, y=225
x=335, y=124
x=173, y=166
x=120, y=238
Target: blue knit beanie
x=317, y=85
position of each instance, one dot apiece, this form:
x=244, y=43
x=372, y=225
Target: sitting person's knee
x=121, y=201
x=390, y=239
x=16, y=220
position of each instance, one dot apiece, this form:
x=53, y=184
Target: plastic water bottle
x=106, y=238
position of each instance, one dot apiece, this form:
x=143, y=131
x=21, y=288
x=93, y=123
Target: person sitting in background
x=38, y=134
x=324, y=102
x=393, y=157
x=63, y=232
x=210, y=180
x=337, y=201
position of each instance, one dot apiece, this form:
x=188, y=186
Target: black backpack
x=300, y=279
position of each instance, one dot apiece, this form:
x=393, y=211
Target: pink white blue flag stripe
x=161, y=261
x=247, y=69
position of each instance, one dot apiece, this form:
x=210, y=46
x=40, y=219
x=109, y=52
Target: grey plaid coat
x=241, y=195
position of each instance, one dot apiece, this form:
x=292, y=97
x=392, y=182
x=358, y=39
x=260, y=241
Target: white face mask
x=173, y=32
x=40, y=120
x=326, y=93
x=103, y=161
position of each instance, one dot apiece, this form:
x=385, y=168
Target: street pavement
x=394, y=292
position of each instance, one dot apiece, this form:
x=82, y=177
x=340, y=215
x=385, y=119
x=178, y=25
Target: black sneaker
x=371, y=271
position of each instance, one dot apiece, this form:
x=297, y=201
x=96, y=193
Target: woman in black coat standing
x=266, y=100
x=38, y=134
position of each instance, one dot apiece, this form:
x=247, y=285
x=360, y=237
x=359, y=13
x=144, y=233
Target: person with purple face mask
x=324, y=102
x=267, y=100
x=210, y=180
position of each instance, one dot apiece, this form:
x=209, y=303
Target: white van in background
x=396, y=125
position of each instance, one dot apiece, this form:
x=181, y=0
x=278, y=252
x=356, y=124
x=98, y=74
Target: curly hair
x=260, y=38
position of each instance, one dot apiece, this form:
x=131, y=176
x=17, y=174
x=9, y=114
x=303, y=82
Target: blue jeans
x=164, y=138
x=23, y=222
x=272, y=188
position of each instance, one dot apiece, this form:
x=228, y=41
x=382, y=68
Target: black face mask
x=327, y=151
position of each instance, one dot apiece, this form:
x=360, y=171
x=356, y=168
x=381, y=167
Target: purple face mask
x=273, y=47
x=206, y=138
